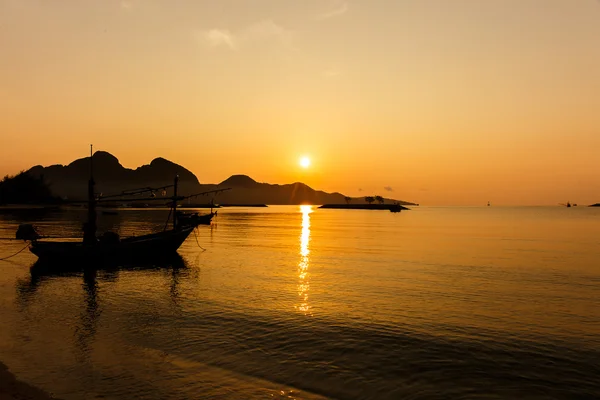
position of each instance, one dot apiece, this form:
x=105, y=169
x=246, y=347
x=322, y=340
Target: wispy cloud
x=388, y=189
x=219, y=37
x=340, y=7
x=260, y=31
x=126, y=5
x=264, y=29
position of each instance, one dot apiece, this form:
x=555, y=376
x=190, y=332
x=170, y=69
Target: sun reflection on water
x=303, y=275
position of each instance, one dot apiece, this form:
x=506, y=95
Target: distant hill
x=247, y=190
x=70, y=181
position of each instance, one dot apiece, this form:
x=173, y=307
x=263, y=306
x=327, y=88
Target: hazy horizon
x=445, y=103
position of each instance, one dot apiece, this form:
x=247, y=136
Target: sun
x=305, y=162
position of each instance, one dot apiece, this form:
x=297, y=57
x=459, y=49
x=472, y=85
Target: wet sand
x=11, y=388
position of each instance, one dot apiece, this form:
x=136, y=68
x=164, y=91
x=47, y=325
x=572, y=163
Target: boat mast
x=175, y=201
x=89, y=229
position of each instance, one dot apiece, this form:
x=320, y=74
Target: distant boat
x=195, y=218
x=396, y=208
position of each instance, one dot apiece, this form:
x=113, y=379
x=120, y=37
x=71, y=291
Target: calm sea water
x=303, y=303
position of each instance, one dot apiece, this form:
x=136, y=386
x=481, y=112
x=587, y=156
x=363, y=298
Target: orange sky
x=447, y=102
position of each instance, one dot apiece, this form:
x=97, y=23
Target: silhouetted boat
x=395, y=208
x=42, y=269
x=110, y=247
x=195, y=218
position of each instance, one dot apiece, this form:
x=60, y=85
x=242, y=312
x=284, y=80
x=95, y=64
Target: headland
x=389, y=207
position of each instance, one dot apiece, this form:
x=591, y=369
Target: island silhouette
x=69, y=182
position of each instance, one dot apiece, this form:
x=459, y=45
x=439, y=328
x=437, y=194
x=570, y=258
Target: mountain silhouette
x=239, y=181
x=70, y=181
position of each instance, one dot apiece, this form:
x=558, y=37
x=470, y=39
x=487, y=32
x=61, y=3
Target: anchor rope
x=198, y=243
x=6, y=258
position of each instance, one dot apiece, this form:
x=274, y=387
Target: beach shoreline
x=11, y=388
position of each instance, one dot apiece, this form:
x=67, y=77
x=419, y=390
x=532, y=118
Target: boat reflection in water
x=42, y=269
x=44, y=273
x=303, y=274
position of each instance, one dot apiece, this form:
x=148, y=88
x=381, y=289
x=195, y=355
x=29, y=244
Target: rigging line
x=132, y=192
x=6, y=258
x=168, y=218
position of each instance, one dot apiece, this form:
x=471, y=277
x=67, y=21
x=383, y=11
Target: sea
x=297, y=302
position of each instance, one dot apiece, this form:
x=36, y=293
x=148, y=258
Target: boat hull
x=195, y=219
x=140, y=247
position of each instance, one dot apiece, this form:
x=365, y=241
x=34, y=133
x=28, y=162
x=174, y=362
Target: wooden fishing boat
x=111, y=248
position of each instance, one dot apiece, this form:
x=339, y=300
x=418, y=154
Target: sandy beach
x=11, y=388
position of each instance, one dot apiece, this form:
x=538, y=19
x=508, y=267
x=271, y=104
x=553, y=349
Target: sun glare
x=305, y=162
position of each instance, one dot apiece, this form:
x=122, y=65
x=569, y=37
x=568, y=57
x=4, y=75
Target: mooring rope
x=198, y=243
x=6, y=258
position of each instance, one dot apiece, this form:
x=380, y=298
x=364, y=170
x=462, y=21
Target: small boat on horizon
x=396, y=208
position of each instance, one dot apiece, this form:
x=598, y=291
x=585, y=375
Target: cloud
x=388, y=188
x=341, y=8
x=264, y=29
x=127, y=5
x=218, y=38
x=257, y=32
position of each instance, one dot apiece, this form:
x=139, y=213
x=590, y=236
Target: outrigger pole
x=89, y=228
x=106, y=199
x=175, y=201
x=133, y=192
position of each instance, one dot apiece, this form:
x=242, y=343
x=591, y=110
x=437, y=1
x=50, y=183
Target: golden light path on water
x=303, y=274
